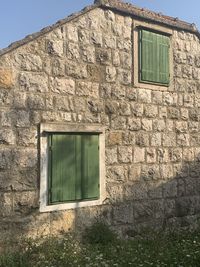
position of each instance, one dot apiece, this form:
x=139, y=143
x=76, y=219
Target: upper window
x=154, y=58
x=72, y=162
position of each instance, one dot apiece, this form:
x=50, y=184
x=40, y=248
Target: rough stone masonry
x=81, y=71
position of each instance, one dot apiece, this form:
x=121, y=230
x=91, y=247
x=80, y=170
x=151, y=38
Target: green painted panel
x=90, y=166
x=63, y=176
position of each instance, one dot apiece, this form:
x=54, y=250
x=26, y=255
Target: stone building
x=99, y=118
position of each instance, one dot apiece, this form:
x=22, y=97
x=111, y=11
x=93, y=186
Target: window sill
x=67, y=206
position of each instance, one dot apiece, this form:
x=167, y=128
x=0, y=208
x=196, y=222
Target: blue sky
x=22, y=17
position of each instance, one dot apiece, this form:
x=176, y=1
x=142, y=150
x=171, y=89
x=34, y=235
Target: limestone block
x=194, y=114
x=147, y=125
x=142, y=139
x=6, y=204
x=111, y=155
x=29, y=62
x=22, y=118
x=58, y=67
x=94, y=73
x=7, y=136
x=134, y=173
x=188, y=100
x=6, y=118
x=135, y=191
x=132, y=94
x=72, y=33
x=118, y=123
x=109, y=41
x=6, y=159
x=125, y=154
x=20, y=100
x=159, y=125
x=155, y=139
x=181, y=126
x=25, y=202
x=157, y=97
x=188, y=154
x=139, y=154
x=118, y=92
x=114, y=138
x=55, y=47
x=125, y=109
x=33, y=82
x=111, y=107
x=144, y=96
x=128, y=138
x=87, y=89
x=155, y=189
x=36, y=102
x=63, y=86
x=124, y=45
x=184, y=140
x=96, y=38
x=150, y=111
x=6, y=78
x=162, y=112
x=26, y=158
x=134, y=124
x=62, y=103
x=84, y=36
x=62, y=222
x=117, y=173
x=59, y=116
x=76, y=70
x=111, y=74
x=163, y=155
x=150, y=172
x=6, y=97
x=175, y=155
x=123, y=214
x=116, y=58
x=170, y=98
x=137, y=109
x=103, y=56
x=114, y=192
x=151, y=155
x=169, y=140
x=72, y=51
x=170, y=125
x=27, y=136
x=184, y=114
x=166, y=171
x=88, y=54
x=170, y=189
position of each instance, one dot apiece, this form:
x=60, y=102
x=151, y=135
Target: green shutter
x=63, y=170
x=73, y=167
x=90, y=166
x=154, y=57
x=163, y=48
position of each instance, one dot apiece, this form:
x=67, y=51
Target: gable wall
x=82, y=73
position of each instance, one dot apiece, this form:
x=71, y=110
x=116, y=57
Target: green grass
x=178, y=250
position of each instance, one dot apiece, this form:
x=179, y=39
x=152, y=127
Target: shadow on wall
x=130, y=207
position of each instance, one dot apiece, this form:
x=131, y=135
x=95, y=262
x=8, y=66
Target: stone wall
x=82, y=72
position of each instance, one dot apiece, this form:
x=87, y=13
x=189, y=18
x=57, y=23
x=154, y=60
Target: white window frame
x=46, y=128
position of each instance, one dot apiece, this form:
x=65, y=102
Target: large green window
x=153, y=57
x=73, y=167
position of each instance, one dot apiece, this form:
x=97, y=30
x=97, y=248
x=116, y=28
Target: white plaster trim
x=56, y=127
x=146, y=85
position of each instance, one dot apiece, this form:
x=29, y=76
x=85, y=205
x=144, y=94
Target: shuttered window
x=153, y=57
x=73, y=167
